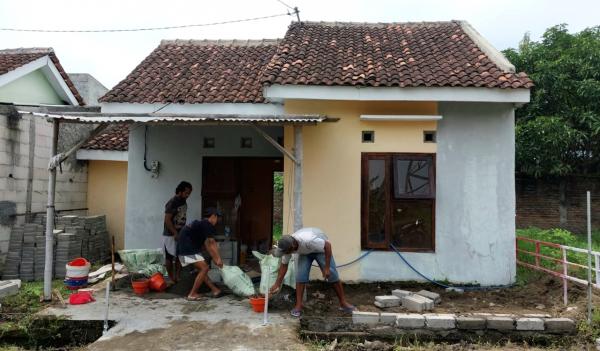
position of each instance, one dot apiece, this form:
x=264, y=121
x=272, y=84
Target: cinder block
x=435, y=297
x=440, y=321
x=470, y=323
x=559, y=325
x=410, y=320
x=388, y=300
x=500, y=323
x=530, y=324
x=417, y=303
x=388, y=318
x=401, y=293
x=365, y=317
x=9, y=287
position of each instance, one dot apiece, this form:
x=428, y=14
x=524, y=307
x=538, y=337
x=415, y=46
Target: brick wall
x=539, y=203
x=24, y=160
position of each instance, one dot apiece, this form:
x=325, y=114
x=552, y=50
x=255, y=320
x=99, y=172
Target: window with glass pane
x=398, y=205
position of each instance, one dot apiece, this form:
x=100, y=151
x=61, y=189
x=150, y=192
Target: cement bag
x=273, y=263
x=143, y=261
x=238, y=281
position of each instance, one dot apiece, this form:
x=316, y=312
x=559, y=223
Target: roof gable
x=16, y=63
x=425, y=54
x=191, y=71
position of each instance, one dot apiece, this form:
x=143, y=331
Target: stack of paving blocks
x=68, y=247
x=13, y=259
x=415, y=302
x=98, y=242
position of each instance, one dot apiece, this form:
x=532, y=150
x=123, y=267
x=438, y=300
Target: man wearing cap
x=193, y=239
x=310, y=244
x=175, y=219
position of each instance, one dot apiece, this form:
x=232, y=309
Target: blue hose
x=466, y=288
x=351, y=262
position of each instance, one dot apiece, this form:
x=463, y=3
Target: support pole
x=589, y=237
x=50, y=216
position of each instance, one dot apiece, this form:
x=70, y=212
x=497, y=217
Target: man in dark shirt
x=175, y=219
x=193, y=239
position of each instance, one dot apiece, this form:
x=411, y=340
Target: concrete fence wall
x=25, y=143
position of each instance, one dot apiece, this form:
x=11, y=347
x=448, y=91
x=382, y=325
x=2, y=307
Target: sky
x=109, y=57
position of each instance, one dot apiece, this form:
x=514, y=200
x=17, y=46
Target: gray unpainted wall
x=475, y=202
x=179, y=149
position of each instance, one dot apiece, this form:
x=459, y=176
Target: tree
x=558, y=132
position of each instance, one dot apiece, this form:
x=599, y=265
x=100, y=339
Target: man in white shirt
x=310, y=244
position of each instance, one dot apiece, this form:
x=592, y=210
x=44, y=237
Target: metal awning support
x=276, y=144
x=55, y=161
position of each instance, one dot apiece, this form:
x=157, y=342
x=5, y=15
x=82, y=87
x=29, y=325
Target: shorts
x=170, y=247
x=305, y=262
x=189, y=259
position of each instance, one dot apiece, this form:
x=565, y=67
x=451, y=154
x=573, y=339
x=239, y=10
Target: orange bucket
x=141, y=286
x=157, y=282
x=257, y=303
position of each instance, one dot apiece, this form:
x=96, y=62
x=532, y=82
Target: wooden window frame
x=390, y=181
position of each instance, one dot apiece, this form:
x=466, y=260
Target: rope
x=466, y=288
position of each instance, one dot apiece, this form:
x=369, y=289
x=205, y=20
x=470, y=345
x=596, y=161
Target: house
x=34, y=77
x=395, y=135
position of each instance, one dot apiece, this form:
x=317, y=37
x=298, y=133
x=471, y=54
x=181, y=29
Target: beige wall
x=107, y=189
x=332, y=164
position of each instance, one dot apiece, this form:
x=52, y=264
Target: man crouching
x=193, y=238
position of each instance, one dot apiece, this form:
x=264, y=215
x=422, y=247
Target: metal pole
x=589, y=232
x=267, y=285
x=107, y=305
x=50, y=216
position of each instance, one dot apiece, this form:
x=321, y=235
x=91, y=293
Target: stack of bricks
x=74, y=237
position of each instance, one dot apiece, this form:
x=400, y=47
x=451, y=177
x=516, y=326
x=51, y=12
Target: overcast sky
x=111, y=56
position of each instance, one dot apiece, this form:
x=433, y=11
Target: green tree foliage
x=558, y=132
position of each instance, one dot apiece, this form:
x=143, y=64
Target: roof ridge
x=221, y=42
x=27, y=51
x=371, y=24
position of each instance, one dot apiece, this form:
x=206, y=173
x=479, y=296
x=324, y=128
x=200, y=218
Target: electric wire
x=37, y=30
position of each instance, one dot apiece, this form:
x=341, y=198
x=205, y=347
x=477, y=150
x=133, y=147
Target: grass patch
x=27, y=300
x=277, y=231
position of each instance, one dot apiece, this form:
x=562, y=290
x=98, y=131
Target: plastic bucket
x=257, y=303
x=141, y=286
x=78, y=268
x=157, y=282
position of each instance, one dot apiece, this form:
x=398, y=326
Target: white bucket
x=78, y=271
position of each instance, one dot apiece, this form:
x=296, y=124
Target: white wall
x=179, y=149
x=475, y=202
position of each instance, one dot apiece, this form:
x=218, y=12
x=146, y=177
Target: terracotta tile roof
x=184, y=71
x=114, y=138
x=11, y=59
x=426, y=54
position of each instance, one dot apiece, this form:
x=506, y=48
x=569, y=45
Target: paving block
x=530, y=324
x=440, y=321
x=401, y=293
x=388, y=318
x=9, y=287
x=417, y=303
x=430, y=295
x=500, y=323
x=559, y=325
x=470, y=323
x=365, y=317
x=410, y=320
x=388, y=300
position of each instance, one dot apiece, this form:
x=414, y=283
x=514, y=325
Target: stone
x=388, y=318
x=559, y=325
x=540, y=307
x=9, y=287
x=455, y=290
x=410, y=320
x=440, y=321
x=537, y=315
x=365, y=317
x=500, y=323
x=530, y=324
x=430, y=295
x=401, y=293
x=470, y=323
x=417, y=303
x=388, y=300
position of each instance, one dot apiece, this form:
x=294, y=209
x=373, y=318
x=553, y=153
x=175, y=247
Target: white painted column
x=298, y=177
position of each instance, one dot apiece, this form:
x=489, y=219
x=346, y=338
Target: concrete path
x=177, y=324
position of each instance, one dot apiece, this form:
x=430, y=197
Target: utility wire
x=286, y=5
x=143, y=29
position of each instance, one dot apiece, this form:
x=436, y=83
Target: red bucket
x=257, y=303
x=141, y=286
x=157, y=282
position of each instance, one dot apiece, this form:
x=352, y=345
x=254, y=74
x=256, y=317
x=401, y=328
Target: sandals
x=296, y=313
x=348, y=309
x=193, y=298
